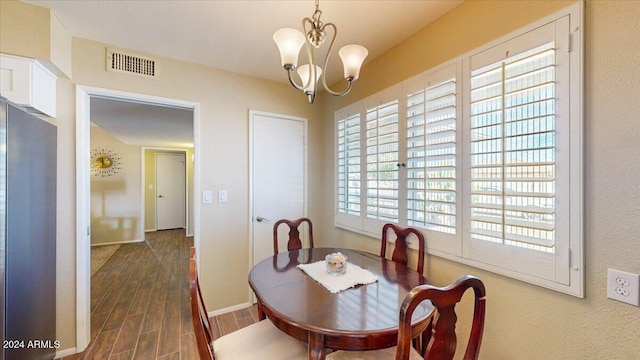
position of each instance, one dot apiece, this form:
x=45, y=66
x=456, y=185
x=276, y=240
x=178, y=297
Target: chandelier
x=290, y=42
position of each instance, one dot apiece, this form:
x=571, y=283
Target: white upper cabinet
x=28, y=83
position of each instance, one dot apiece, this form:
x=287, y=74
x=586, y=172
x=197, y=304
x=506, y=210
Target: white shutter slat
x=431, y=156
x=349, y=165
x=513, y=150
x=381, y=162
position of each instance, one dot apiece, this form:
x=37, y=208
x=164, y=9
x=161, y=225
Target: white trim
x=577, y=239
x=229, y=309
x=118, y=242
x=65, y=352
x=150, y=230
x=83, y=220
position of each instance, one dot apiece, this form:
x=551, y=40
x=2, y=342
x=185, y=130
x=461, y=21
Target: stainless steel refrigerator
x=28, y=234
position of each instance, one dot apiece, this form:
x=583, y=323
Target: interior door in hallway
x=170, y=191
x=278, y=161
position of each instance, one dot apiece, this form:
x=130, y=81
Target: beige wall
x=25, y=29
x=34, y=32
x=525, y=321
x=116, y=199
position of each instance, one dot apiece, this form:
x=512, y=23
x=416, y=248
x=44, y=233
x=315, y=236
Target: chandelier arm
x=292, y=80
x=310, y=56
x=326, y=61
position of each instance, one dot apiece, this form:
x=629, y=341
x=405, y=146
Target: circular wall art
x=104, y=162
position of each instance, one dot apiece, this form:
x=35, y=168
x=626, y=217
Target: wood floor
x=140, y=303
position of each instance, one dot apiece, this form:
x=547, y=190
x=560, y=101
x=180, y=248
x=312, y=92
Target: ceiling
x=236, y=35
x=143, y=124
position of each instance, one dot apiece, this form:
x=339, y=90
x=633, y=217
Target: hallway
x=140, y=303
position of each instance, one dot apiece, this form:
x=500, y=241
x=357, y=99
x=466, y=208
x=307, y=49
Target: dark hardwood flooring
x=140, y=303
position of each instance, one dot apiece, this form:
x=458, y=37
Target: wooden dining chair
x=443, y=339
x=261, y=340
x=294, y=234
x=401, y=256
x=400, y=253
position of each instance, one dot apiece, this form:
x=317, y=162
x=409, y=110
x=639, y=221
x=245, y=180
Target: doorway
x=83, y=217
x=278, y=176
x=170, y=185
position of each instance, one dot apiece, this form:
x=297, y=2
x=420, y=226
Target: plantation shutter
x=349, y=165
x=513, y=150
x=349, y=184
x=515, y=180
x=431, y=153
x=482, y=153
x=382, y=162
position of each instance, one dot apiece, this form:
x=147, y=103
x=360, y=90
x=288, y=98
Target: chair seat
x=382, y=354
x=261, y=340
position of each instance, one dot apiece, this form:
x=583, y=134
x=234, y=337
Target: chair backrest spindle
x=400, y=252
x=442, y=344
x=295, y=242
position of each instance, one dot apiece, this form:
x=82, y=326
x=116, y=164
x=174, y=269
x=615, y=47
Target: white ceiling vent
x=127, y=63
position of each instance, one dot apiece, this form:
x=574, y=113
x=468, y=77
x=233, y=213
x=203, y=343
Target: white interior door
x=170, y=191
x=278, y=160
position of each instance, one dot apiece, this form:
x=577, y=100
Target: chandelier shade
x=308, y=85
x=352, y=58
x=290, y=42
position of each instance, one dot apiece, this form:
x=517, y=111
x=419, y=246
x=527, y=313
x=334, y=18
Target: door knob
x=160, y=196
x=261, y=219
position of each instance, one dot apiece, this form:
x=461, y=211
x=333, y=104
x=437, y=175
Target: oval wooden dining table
x=364, y=317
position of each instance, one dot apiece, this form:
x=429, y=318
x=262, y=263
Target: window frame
x=567, y=263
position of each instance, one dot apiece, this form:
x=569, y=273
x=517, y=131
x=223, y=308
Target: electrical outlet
x=623, y=286
x=622, y=291
x=624, y=282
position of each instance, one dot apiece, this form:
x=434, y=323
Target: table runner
x=355, y=275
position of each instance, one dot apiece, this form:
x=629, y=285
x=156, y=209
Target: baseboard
x=150, y=230
x=229, y=309
x=66, y=352
x=118, y=242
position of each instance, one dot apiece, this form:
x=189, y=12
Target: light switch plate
x=222, y=196
x=207, y=197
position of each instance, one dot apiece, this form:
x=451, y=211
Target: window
x=513, y=154
x=349, y=165
x=381, y=138
x=431, y=152
x=483, y=154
